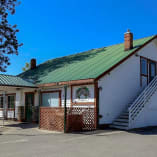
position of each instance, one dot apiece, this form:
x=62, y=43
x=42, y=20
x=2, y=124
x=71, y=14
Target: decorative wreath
x=82, y=91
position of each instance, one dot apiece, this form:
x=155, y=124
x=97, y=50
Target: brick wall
x=52, y=118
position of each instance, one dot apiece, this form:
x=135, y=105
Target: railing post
x=144, y=97
x=129, y=120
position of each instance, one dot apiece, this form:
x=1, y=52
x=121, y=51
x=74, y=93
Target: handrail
x=142, y=99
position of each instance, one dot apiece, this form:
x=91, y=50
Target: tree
x=27, y=67
x=8, y=40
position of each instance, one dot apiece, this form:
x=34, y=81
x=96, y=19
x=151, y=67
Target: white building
x=114, y=86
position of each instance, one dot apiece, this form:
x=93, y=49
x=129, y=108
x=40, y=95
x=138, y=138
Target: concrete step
x=122, y=120
x=119, y=127
x=120, y=123
x=123, y=117
x=125, y=114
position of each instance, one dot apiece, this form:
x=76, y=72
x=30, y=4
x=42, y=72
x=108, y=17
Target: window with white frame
x=50, y=99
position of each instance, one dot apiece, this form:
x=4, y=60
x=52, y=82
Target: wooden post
x=65, y=108
x=96, y=106
x=39, y=94
x=4, y=107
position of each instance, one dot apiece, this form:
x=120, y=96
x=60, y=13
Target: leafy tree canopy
x=8, y=40
x=27, y=67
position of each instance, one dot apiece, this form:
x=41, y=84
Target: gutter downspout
x=65, y=108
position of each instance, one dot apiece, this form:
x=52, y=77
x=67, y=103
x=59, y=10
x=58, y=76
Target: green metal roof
x=89, y=64
x=9, y=80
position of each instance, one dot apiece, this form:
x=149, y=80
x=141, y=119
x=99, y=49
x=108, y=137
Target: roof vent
x=128, y=40
x=33, y=63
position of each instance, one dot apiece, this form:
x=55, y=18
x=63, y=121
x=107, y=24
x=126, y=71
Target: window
x=11, y=101
x=144, y=69
x=50, y=99
x=148, y=70
x=1, y=101
x=152, y=70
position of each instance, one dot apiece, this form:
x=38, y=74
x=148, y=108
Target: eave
x=72, y=82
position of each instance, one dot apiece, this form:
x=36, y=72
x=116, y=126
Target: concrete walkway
x=23, y=140
x=22, y=128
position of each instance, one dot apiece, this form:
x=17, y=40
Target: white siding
x=1, y=113
x=122, y=85
x=150, y=51
x=148, y=115
x=68, y=101
x=119, y=88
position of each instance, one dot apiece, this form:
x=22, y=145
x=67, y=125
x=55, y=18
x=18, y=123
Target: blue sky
x=55, y=28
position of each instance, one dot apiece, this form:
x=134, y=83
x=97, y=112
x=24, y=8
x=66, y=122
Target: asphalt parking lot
x=23, y=140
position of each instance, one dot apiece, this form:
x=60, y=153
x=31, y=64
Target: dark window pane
x=153, y=69
x=144, y=66
x=1, y=102
x=11, y=101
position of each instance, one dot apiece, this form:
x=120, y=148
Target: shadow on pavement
x=99, y=132
x=22, y=125
x=107, y=131
x=145, y=131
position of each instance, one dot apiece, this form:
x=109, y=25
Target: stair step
x=120, y=123
x=122, y=120
x=119, y=127
x=125, y=114
x=123, y=117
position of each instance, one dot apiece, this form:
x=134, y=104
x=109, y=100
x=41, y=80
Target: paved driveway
x=27, y=140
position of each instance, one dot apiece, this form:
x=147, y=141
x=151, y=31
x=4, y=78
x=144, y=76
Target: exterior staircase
x=122, y=121
x=128, y=116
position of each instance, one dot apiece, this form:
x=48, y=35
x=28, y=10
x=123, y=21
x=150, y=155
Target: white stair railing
x=142, y=99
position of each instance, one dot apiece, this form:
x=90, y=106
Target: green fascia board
x=10, y=80
x=85, y=65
